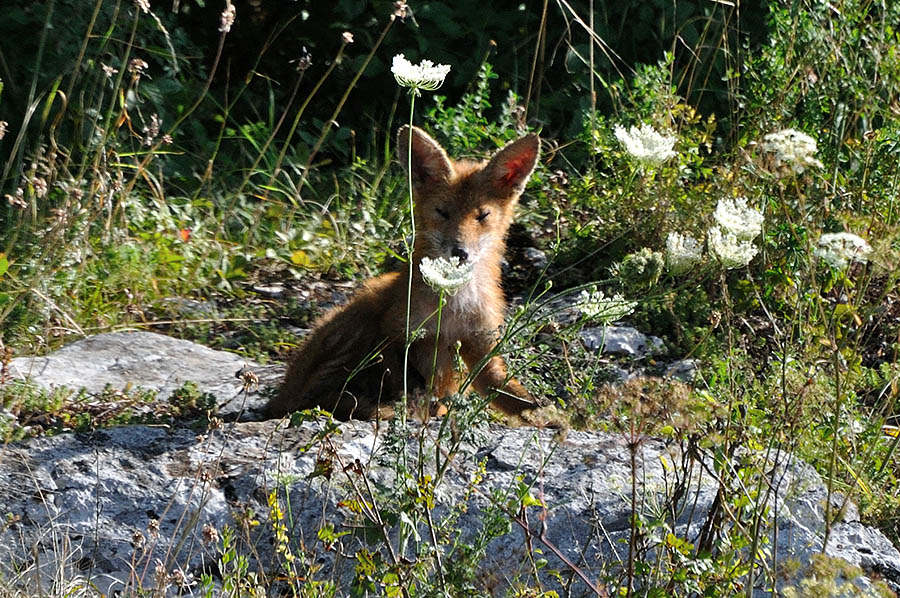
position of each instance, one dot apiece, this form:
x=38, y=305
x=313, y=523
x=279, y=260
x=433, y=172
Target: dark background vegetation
x=268, y=39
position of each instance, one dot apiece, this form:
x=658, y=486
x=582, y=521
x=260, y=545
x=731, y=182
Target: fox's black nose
x=459, y=252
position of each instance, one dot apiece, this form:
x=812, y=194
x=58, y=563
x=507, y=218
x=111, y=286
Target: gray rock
x=535, y=258
x=100, y=491
x=683, y=369
x=147, y=360
x=274, y=290
x=190, y=307
x=621, y=339
x=85, y=504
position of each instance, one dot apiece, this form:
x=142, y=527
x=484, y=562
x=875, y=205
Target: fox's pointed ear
x=430, y=162
x=510, y=168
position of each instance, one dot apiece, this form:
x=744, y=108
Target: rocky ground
x=121, y=506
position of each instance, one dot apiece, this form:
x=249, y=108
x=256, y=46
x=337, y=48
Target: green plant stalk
x=835, y=422
x=290, y=135
x=836, y=419
x=437, y=339
x=410, y=265
x=632, y=539
x=17, y=154
x=328, y=124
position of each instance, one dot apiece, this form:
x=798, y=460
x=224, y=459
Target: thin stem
x=632, y=539
x=290, y=135
x=835, y=423
x=409, y=253
x=328, y=124
x=437, y=340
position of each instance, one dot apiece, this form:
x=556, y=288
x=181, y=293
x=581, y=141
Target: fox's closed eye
x=481, y=217
x=443, y=213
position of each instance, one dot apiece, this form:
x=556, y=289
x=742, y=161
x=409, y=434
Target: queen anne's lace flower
x=737, y=225
x=594, y=305
x=645, y=144
x=731, y=251
x=682, y=253
x=839, y=249
x=425, y=75
x=735, y=217
x=447, y=275
x=793, y=149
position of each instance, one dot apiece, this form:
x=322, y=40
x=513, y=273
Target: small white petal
x=738, y=219
x=730, y=250
x=447, y=275
x=793, y=149
x=839, y=249
x=682, y=253
x=645, y=144
x=425, y=75
x=595, y=306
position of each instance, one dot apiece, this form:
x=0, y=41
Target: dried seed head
x=40, y=187
x=151, y=130
x=305, y=60
x=137, y=539
x=17, y=200
x=210, y=534
x=401, y=10
x=227, y=18
x=160, y=575
x=153, y=528
x=249, y=380
x=137, y=67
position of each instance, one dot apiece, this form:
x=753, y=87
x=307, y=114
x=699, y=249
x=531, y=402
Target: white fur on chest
x=474, y=301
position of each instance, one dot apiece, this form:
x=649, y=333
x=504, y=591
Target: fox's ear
x=430, y=162
x=510, y=168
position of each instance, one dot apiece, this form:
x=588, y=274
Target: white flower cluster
x=731, y=239
x=645, y=144
x=594, y=305
x=839, y=249
x=425, y=75
x=683, y=252
x=793, y=149
x=447, y=275
x=734, y=216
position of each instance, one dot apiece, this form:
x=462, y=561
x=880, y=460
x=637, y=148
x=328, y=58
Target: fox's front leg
x=510, y=396
x=441, y=378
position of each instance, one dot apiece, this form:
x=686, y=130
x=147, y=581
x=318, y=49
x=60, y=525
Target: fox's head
x=464, y=208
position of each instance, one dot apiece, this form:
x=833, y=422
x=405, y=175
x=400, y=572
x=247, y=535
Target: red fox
x=352, y=362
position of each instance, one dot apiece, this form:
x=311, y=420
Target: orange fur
x=351, y=363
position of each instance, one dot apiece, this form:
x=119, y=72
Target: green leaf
x=530, y=501
x=299, y=258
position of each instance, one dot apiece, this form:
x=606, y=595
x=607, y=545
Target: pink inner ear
x=515, y=168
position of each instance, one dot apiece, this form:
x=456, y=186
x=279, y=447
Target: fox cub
x=351, y=364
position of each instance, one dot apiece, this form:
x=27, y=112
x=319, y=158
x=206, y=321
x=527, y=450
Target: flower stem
x=409, y=253
x=437, y=339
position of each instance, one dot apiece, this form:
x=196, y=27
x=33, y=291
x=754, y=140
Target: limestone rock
x=139, y=506
x=147, y=360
